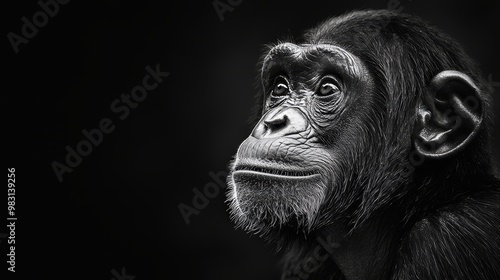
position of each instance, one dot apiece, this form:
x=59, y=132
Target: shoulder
x=460, y=241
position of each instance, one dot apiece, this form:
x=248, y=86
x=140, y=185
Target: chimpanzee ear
x=449, y=115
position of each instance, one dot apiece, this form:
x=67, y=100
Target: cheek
x=329, y=122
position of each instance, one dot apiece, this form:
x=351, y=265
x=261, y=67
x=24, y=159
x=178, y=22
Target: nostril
x=275, y=124
x=279, y=123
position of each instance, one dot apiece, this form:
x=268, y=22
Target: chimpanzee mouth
x=277, y=171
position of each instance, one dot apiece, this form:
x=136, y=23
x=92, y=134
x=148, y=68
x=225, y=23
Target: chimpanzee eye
x=327, y=87
x=280, y=87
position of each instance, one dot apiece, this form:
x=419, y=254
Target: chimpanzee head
x=366, y=112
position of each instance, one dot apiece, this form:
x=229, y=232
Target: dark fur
x=438, y=220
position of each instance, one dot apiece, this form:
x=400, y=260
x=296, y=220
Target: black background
x=119, y=207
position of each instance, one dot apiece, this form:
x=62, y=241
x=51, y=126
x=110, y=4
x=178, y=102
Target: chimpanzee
x=371, y=158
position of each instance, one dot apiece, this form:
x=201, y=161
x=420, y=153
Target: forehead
x=289, y=55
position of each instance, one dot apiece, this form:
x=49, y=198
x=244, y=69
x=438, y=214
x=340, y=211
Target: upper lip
x=280, y=169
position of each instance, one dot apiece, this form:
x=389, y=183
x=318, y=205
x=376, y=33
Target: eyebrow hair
x=347, y=58
x=283, y=49
x=348, y=61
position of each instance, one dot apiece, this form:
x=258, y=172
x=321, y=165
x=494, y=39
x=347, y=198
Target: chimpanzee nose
x=280, y=122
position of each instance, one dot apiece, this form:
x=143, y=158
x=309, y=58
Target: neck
x=364, y=253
